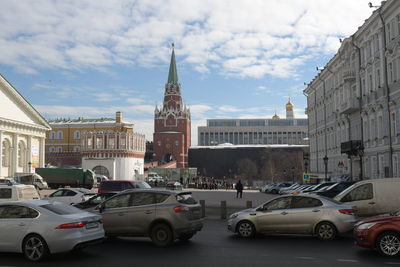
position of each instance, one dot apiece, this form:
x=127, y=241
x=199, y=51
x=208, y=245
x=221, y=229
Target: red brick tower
x=172, y=123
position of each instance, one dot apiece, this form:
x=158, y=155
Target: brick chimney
x=118, y=117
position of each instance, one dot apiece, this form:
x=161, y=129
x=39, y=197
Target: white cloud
x=235, y=38
x=134, y=101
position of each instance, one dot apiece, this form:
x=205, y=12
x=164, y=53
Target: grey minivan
x=160, y=214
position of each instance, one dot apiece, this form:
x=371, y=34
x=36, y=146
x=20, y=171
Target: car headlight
x=233, y=216
x=365, y=226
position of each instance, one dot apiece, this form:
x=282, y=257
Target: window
x=69, y=193
x=119, y=201
x=58, y=193
x=77, y=135
x=59, y=149
x=111, y=142
x=305, y=202
x=99, y=142
x=52, y=135
x=393, y=124
x=18, y=212
x=278, y=204
x=186, y=198
x=61, y=208
x=160, y=197
x=5, y=193
x=77, y=149
x=142, y=198
x=60, y=135
x=362, y=192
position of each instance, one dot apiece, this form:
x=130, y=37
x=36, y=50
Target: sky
x=235, y=58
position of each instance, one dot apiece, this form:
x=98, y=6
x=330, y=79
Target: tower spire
x=173, y=73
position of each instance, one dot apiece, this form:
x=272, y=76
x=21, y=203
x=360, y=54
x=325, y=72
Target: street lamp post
x=29, y=166
x=326, y=167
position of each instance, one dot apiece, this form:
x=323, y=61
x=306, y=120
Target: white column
x=14, y=154
x=28, y=154
x=1, y=155
x=41, y=152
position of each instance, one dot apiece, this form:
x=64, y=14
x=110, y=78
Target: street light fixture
x=326, y=166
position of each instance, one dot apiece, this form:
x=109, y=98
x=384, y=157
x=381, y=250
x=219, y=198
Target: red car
x=380, y=233
x=121, y=185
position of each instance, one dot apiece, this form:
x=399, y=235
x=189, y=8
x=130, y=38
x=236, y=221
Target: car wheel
x=161, y=235
x=274, y=191
x=35, y=248
x=326, y=231
x=246, y=229
x=388, y=244
x=186, y=237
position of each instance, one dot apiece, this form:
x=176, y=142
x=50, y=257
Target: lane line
x=346, y=260
x=392, y=263
x=306, y=258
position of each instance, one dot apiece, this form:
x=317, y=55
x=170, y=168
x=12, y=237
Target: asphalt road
x=215, y=246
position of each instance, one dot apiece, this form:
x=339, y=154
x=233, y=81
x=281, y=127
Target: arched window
x=5, y=153
x=59, y=149
x=59, y=135
x=52, y=135
x=77, y=149
x=101, y=170
x=21, y=154
x=77, y=135
x=52, y=149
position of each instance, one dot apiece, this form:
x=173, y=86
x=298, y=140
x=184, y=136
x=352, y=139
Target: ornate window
x=59, y=135
x=99, y=142
x=77, y=135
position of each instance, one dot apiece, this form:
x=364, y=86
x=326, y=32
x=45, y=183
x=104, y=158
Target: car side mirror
x=260, y=209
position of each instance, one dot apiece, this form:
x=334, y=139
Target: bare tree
x=247, y=169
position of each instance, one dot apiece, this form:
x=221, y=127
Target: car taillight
x=71, y=225
x=178, y=209
x=100, y=221
x=347, y=211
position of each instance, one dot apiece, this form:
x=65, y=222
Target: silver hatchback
x=160, y=214
x=299, y=214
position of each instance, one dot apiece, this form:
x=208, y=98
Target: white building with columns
x=354, y=103
x=22, y=133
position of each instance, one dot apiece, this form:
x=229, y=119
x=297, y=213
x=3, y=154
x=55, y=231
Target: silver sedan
x=299, y=214
x=37, y=228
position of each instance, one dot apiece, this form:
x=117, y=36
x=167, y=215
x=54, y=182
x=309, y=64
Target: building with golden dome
x=261, y=131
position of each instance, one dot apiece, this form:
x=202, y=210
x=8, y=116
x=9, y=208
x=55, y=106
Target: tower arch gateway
x=172, y=122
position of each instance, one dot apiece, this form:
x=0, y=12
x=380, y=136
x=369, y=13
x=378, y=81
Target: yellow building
x=63, y=142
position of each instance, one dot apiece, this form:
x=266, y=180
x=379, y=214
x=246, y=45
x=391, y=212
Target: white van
x=373, y=197
x=18, y=192
x=31, y=178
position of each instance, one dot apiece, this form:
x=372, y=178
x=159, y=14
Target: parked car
x=95, y=200
x=70, y=195
x=174, y=186
x=382, y=234
x=373, y=197
x=37, y=228
x=295, y=214
x=7, y=181
x=265, y=187
x=334, y=189
x=318, y=187
x=154, y=177
x=275, y=189
x=100, y=178
x=163, y=215
x=16, y=192
x=121, y=185
x=284, y=190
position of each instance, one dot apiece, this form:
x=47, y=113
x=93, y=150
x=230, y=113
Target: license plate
x=91, y=225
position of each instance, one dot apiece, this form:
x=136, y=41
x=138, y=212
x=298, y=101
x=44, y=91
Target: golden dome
x=289, y=105
x=275, y=117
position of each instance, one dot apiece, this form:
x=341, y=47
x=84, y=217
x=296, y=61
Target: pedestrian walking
x=239, y=189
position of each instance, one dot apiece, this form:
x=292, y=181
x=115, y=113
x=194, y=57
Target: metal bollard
x=223, y=210
x=203, y=208
x=249, y=204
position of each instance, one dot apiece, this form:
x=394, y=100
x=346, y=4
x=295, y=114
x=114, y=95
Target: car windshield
x=61, y=208
x=186, y=198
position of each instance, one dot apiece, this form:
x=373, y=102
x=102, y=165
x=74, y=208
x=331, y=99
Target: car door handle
x=371, y=203
x=148, y=212
x=21, y=224
x=316, y=210
x=284, y=213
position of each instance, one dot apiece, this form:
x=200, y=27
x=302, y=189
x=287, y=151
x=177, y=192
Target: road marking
x=345, y=260
x=306, y=258
x=392, y=263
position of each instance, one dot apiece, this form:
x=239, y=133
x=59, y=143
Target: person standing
x=239, y=189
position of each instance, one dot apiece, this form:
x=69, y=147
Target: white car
x=70, y=195
x=37, y=228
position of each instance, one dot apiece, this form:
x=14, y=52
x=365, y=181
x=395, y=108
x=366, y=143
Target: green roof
x=173, y=73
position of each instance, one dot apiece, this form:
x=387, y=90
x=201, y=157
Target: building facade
x=107, y=146
x=254, y=131
x=22, y=133
x=354, y=103
x=172, y=123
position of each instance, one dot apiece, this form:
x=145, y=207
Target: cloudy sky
x=235, y=58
